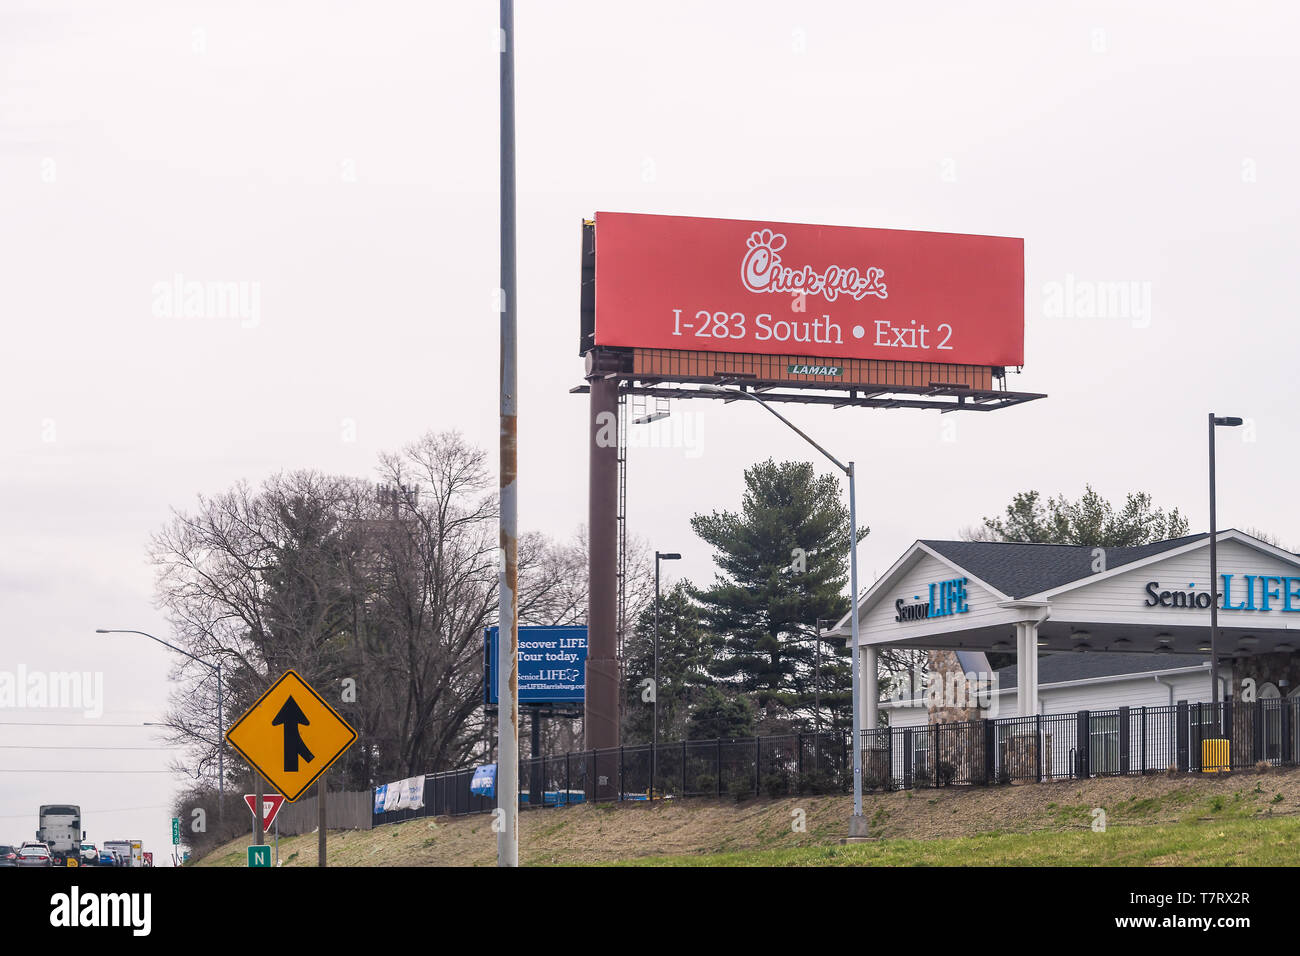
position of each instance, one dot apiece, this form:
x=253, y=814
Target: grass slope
x=1245, y=818
x=1270, y=842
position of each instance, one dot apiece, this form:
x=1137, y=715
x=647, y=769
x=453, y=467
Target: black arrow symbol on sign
x=291, y=717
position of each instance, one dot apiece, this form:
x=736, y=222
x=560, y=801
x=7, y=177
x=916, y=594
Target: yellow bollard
x=1214, y=755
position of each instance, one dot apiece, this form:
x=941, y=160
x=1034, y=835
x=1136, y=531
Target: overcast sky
x=339, y=159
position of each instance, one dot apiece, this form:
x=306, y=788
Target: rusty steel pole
x=507, y=784
x=600, y=719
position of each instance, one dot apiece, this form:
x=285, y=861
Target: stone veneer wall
x=944, y=666
x=1281, y=670
x=962, y=748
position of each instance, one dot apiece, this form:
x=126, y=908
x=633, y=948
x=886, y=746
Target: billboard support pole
x=536, y=780
x=600, y=722
x=508, y=615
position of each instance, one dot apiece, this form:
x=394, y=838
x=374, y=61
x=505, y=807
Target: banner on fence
x=392, y=794
x=484, y=783
x=405, y=794
x=413, y=793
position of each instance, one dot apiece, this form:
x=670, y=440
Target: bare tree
x=251, y=580
x=1266, y=536
x=385, y=591
x=435, y=591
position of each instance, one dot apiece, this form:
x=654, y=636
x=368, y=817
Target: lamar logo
x=102, y=909
x=834, y=370
x=762, y=271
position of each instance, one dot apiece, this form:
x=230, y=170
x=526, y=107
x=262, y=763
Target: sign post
x=176, y=831
x=259, y=831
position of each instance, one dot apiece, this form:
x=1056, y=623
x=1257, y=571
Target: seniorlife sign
x=723, y=285
x=552, y=664
x=1237, y=592
x=945, y=598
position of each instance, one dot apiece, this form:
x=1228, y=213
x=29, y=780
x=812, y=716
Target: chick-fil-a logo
x=762, y=271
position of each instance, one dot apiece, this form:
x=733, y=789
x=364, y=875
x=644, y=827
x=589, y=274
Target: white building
x=1091, y=629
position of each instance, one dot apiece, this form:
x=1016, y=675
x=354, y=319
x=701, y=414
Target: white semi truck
x=60, y=829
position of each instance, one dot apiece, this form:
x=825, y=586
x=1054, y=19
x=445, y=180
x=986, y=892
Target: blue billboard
x=552, y=664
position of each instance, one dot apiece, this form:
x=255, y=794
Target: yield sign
x=291, y=735
x=271, y=804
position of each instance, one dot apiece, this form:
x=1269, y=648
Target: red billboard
x=727, y=285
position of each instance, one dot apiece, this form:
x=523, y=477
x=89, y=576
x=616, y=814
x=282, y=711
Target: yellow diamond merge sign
x=291, y=736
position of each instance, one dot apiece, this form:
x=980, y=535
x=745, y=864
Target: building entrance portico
x=1029, y=602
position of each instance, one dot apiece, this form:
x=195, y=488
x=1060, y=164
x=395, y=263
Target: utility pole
x=507, y=784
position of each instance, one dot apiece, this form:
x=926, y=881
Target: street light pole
x=855, y=827
x=654, y=734
x=221, y=735
x=1214, y=563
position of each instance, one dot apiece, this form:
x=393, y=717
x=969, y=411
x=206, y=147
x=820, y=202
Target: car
x=89, y=854
x=35, y=855
x=8, y=855
x=106, y=859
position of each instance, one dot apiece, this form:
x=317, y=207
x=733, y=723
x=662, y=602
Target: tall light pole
x=221, y=733
x=654, y=735
x=508, y=614
x=848, y=469
x=1214, y=564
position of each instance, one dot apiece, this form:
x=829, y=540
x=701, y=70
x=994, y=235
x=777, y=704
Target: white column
x=1024, y=674
x=870, y=688
x=1031, y=650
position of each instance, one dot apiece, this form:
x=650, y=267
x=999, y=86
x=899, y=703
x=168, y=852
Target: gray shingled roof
x=1018, y=570
x=1057, y=668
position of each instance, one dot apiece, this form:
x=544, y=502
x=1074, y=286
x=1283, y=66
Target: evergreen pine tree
x=782, y=563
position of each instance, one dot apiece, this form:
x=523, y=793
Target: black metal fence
x=1125, y=740
x=743, y=767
